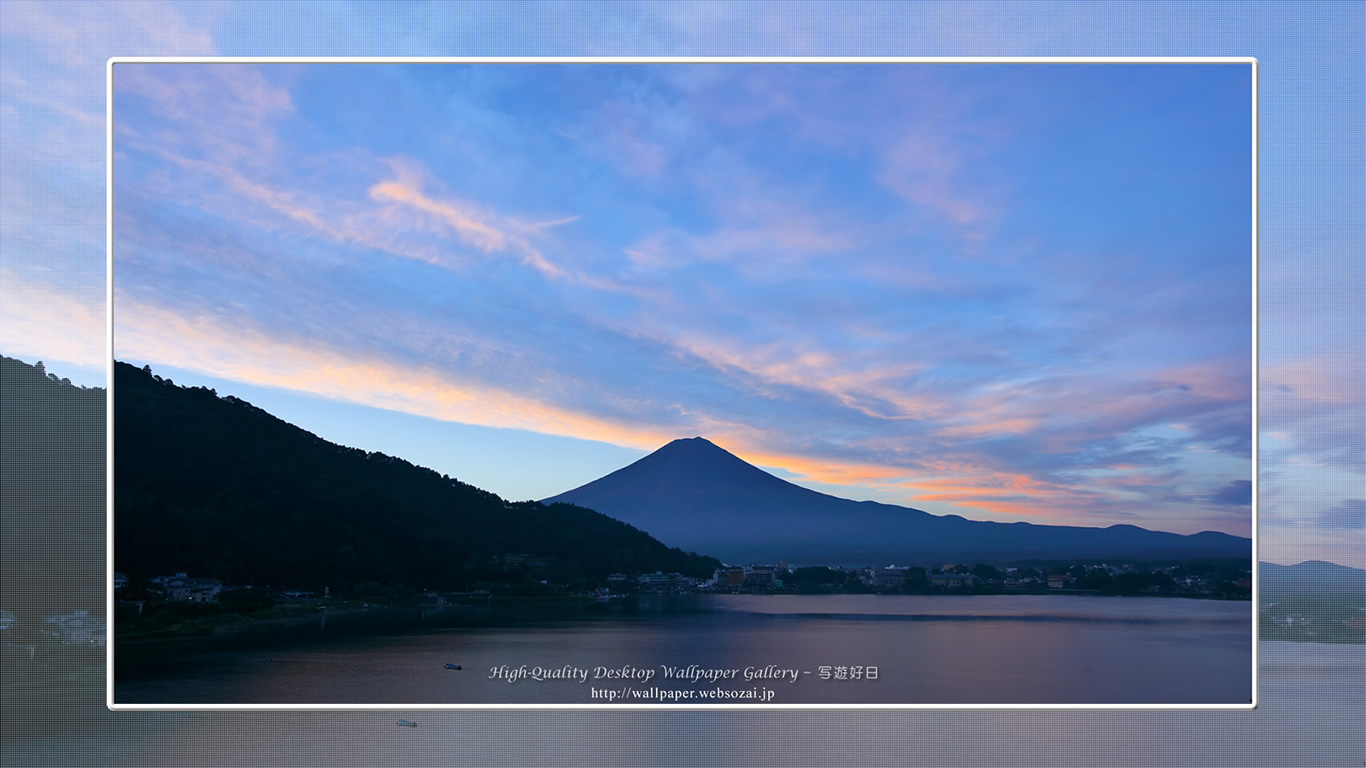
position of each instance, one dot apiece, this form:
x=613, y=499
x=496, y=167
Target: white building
x=664, y=582
x=79, y=628
x=182, y=588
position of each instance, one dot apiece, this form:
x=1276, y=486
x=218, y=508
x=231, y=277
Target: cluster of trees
x=819, y=578
x=156, y=615
x=219, y=488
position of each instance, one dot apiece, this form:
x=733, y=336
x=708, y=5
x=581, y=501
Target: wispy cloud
x=1237, y=493
x=63, y=104
x=1346, y=515
x=871, y=390
x=228, y=145
x=471, y=225
x=70, y=34
x=924, y=169
x=1319, y=402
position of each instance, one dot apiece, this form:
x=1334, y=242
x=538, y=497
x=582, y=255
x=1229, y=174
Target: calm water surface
x=998, y=649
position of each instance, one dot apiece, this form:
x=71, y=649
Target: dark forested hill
x=52, y=491
x=217, y=487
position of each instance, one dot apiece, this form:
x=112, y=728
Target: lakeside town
x=183, y=604
x=176, y=596
x=524, y=577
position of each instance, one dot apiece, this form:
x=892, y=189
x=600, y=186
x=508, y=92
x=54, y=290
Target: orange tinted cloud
x=998, y=493
x=203, y=343
x=1002, y=493
x=829, y=472
x=200, y=343
x=42, y=322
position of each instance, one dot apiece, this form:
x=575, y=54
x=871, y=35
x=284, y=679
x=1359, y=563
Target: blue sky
x=1006, y=292
x=1015, y=291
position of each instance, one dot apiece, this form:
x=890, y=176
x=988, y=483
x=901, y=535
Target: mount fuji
x=695, y=495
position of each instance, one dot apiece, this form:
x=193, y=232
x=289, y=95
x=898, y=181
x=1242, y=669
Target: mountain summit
x=693, y=472
x=698, y=496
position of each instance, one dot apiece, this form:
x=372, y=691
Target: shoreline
x=346, y=616
x=350, y=619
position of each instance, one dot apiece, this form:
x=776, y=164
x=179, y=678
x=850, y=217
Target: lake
x=1311, y=707
x=779, y=649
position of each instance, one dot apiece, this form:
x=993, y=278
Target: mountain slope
x=217, y=487
x=699, y=496
x=52, y=496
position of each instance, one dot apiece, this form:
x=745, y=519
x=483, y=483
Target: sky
x=1022, y=292
x=1010, y=292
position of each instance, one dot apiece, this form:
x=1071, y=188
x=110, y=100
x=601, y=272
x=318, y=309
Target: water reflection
x=1312, y=704
x=846, y=649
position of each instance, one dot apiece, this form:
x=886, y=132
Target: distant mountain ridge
x=702, y=497
x=1316, y=577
